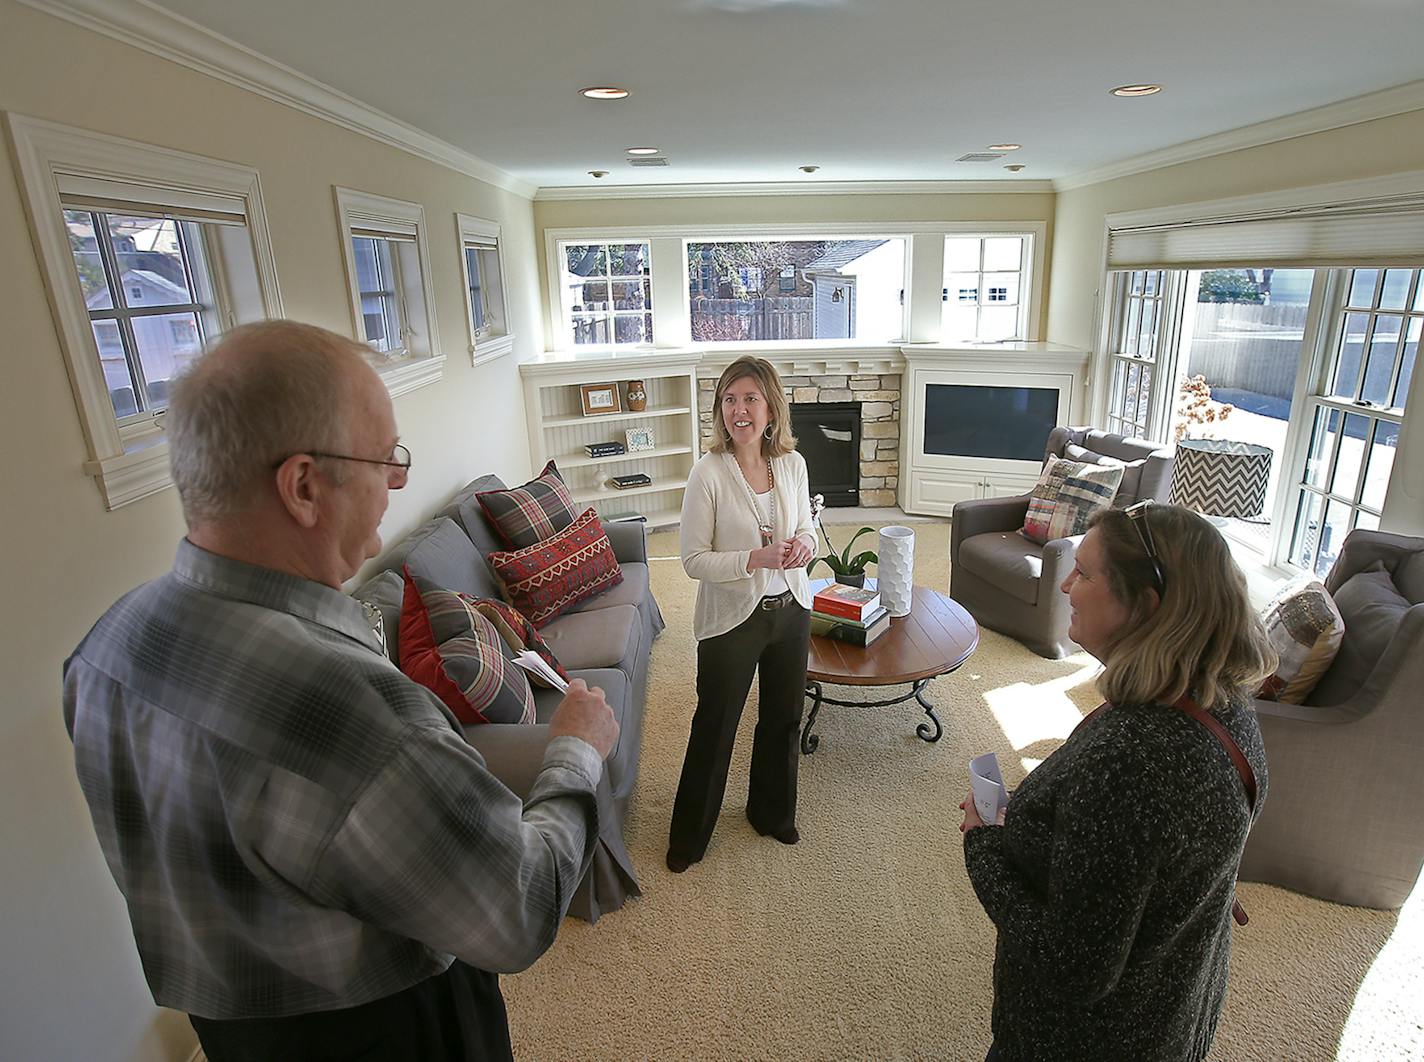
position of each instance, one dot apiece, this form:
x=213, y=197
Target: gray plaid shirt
x=296, y=825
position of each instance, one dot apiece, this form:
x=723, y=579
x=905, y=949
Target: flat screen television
x=1011, y=423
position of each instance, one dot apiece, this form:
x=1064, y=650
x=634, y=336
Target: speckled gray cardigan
x=1111, y=883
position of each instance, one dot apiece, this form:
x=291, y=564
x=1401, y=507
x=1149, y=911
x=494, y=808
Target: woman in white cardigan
x=746, y=538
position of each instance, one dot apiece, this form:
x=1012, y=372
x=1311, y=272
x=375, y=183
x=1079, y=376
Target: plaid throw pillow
x=450, y=649
x=544, y=581
x=1066, y=495
x=519, y=634
x=525, y=515
x=1305, y=629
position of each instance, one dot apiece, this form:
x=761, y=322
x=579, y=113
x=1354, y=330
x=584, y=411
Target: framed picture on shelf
x=599, y=398
x=640, y=439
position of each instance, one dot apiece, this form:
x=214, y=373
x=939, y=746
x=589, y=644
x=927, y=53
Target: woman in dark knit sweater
x=1111, y=877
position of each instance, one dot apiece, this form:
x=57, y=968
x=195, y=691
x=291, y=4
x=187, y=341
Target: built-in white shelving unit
x=559, y=430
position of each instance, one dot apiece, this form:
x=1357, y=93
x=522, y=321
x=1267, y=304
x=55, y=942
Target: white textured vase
x=895, y=570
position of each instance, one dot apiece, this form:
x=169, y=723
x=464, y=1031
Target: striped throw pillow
x=547, y=579
x=530, y=513
x=449, y=648
x=1066, y=495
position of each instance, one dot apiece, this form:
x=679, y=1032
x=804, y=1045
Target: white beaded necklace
x=766, y=530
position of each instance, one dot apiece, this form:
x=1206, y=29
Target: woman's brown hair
x=1204, y=638
x=764, y=374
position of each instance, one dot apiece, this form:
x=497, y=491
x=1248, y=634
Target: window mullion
x=127, y=339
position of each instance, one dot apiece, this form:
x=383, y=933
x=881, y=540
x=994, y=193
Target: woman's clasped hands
x=788, y=553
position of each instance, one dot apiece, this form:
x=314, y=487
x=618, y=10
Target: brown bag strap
x=1233, y=750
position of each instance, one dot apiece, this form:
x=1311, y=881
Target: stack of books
x=633, y=479
x=848, y=614
x=603, y=449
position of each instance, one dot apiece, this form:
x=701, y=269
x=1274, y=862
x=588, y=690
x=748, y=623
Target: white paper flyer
x=990, y=795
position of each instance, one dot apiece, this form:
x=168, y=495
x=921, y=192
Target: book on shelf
x=632, y=479
x=843, y=630
x=603, y=449
x=852, y=602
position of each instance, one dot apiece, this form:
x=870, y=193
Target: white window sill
x=132, y=476
x=487, y=350
x=403, y=377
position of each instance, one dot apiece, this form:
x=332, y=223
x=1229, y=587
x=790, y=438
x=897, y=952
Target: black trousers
x=774, y=642
x=456, y=1016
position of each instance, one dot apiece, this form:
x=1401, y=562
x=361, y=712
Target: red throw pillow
x=547, y=579
x=530, y=513
x=519, y=634
x=449, y=648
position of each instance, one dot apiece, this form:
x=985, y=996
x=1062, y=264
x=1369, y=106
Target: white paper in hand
x=531, y=661
x=990, y=795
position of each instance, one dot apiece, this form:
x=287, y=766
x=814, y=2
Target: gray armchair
x=1010, y=584
x=1344, y=814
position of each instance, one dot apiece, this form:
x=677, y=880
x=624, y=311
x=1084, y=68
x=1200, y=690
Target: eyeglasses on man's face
x=398, y=462
x=1137, y=514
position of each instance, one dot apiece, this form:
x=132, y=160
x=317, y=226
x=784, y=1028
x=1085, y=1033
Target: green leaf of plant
x=862, y=559
x=845, y=553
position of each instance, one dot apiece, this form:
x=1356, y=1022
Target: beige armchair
x=1344, y=813
x=1010, y=584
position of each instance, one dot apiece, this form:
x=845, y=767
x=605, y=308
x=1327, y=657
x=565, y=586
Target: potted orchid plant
x=845, y=568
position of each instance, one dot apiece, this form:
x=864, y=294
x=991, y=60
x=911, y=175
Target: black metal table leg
x=810, y=741
x=923, y=730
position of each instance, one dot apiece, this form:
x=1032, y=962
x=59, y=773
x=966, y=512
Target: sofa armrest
x=982, y=516
x=513, y=752
x=1059, y=555
x=1362, y=548
x=629, y=539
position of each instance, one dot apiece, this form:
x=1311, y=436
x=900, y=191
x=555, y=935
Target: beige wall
x=73, y=988
x=1369, y=149
x=790, y=209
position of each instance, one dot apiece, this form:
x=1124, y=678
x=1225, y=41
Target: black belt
x=781, y=600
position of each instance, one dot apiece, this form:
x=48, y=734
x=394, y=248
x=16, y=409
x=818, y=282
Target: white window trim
x=671, y=311
x=363, y=210
x=128, y=466
x=484, y=233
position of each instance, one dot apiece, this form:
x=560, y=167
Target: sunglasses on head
x=1137, y=514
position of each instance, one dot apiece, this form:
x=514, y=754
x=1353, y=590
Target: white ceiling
x=869, y=90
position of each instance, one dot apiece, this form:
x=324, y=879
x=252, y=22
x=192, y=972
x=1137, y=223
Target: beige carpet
x=865, y=940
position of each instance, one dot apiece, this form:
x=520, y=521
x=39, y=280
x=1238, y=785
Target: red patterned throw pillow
x=452, y=650
x=519, y=634
x=547, y=579
x=529, y=514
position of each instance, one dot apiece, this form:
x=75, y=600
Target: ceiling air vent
x=652, y=160
x=980, y=156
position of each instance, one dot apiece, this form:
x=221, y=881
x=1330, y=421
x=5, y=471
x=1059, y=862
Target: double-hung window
x=1141, y=313
x=486, y=308
x=1356, y=408
x=389, y=278
x=148, y=255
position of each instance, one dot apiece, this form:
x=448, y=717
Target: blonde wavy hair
x=764, y=374
x=1203, y=639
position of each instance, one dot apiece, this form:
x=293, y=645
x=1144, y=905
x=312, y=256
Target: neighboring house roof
x=842, y=253
x=163, y=290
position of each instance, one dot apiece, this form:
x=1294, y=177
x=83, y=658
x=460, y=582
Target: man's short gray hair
x=264, y=392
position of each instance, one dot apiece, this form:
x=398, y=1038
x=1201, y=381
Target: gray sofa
x=1342, y=819
x=606, y=641
x=1010, y=584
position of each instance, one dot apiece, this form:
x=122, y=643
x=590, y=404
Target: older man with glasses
x=316, y=863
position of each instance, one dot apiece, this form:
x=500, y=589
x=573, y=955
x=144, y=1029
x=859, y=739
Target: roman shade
x=1382, y=231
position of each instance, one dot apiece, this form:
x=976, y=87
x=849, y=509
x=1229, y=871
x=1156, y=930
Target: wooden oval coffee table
x=934, y=639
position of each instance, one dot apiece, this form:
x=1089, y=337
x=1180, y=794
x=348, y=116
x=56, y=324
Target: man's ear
x=299, y=486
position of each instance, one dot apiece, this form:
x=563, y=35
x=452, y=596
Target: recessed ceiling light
x=1004, y=147
x=808, y=169
x=605, y=92
x=642, y=151
x=1137, y=90
x=598, y=173
x=1015, y=167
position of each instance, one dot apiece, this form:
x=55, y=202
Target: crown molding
x=1384, y=104
x=705, y=191
x=179, y=40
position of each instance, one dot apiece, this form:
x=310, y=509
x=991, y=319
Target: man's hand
x=584, y=713
x=772, y=556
